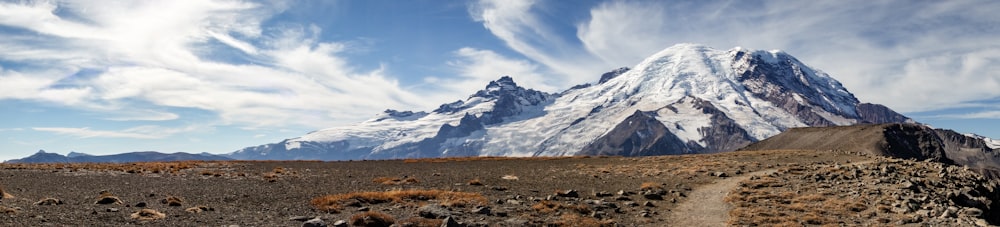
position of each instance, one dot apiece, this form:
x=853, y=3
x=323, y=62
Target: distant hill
x=895, y=140
x=140, y=156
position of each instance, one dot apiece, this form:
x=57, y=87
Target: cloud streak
x=155, y=53
x=141, y=132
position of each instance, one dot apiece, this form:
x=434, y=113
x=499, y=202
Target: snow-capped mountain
x=687, y=98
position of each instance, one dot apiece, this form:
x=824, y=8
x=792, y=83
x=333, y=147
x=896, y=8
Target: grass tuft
x=148, y=215
x=173, y=201
x=395, y=180
x=108, y=198
x=334, y=203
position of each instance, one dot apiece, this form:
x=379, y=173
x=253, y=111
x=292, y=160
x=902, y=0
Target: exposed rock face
x=878, y=114
x=638, y=135
x=790, y=87
x=614, y=73
x=971, y=152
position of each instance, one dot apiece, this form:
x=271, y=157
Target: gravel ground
x=515, y=192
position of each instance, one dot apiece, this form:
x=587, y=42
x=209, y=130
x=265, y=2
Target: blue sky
x=212, y=76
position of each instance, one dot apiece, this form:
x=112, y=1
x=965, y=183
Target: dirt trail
x=705, y=205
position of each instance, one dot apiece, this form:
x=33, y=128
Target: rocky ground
x=878, y=192
x=578, y=191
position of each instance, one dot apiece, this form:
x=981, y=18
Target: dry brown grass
x=198, y=209
x=650, y=186
x=372, y=219
x=336, y=202
x=148, y=215
x=7, y=210
x=548, y=207
x=108, y=198
x=49, y=202
x=173, y=201
x=4, y=194
x=395, y=180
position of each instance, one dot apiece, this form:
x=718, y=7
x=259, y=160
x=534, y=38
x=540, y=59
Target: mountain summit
x=687, y=98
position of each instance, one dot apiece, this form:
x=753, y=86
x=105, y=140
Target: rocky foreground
x=882, y=191
x=803, y=189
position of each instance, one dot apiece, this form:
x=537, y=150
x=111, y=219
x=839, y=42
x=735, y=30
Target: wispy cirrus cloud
x=156, y=52
x=140, y=132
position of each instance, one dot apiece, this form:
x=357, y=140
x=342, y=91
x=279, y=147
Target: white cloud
x=911, y=56
x=612, y=30
x=149, y=53
x=516, y=23
x=141, y=132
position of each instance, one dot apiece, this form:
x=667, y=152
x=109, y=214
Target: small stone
x=500, y=213
x=364, y=209
x=340, y=223
x=140, y=204
x=982, y=222
x=652, y=196
x=450, y=222
x=973, y=212
x=631, y=204
x=598, y=214
x=482, y=210
x=568, y=193
x=623, y=198
x=513, y=202
x=602, y=194
x=515, y=222
x=300, y=218
x=499, y=188
x=648, y=204
x=315, y=222
x=720, y=174
x=433, y=211
x=112, y=210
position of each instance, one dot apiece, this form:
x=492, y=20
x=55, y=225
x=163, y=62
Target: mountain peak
x=505, y=83
x=687, y=98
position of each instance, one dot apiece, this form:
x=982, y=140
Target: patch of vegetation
x=148, y=215
x=395, y=180
x=334, y=203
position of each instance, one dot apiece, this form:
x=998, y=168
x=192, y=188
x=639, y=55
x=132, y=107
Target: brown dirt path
x=705, y=205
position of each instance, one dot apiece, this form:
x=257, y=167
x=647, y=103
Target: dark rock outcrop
x=870, y=113
x=638, y=135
